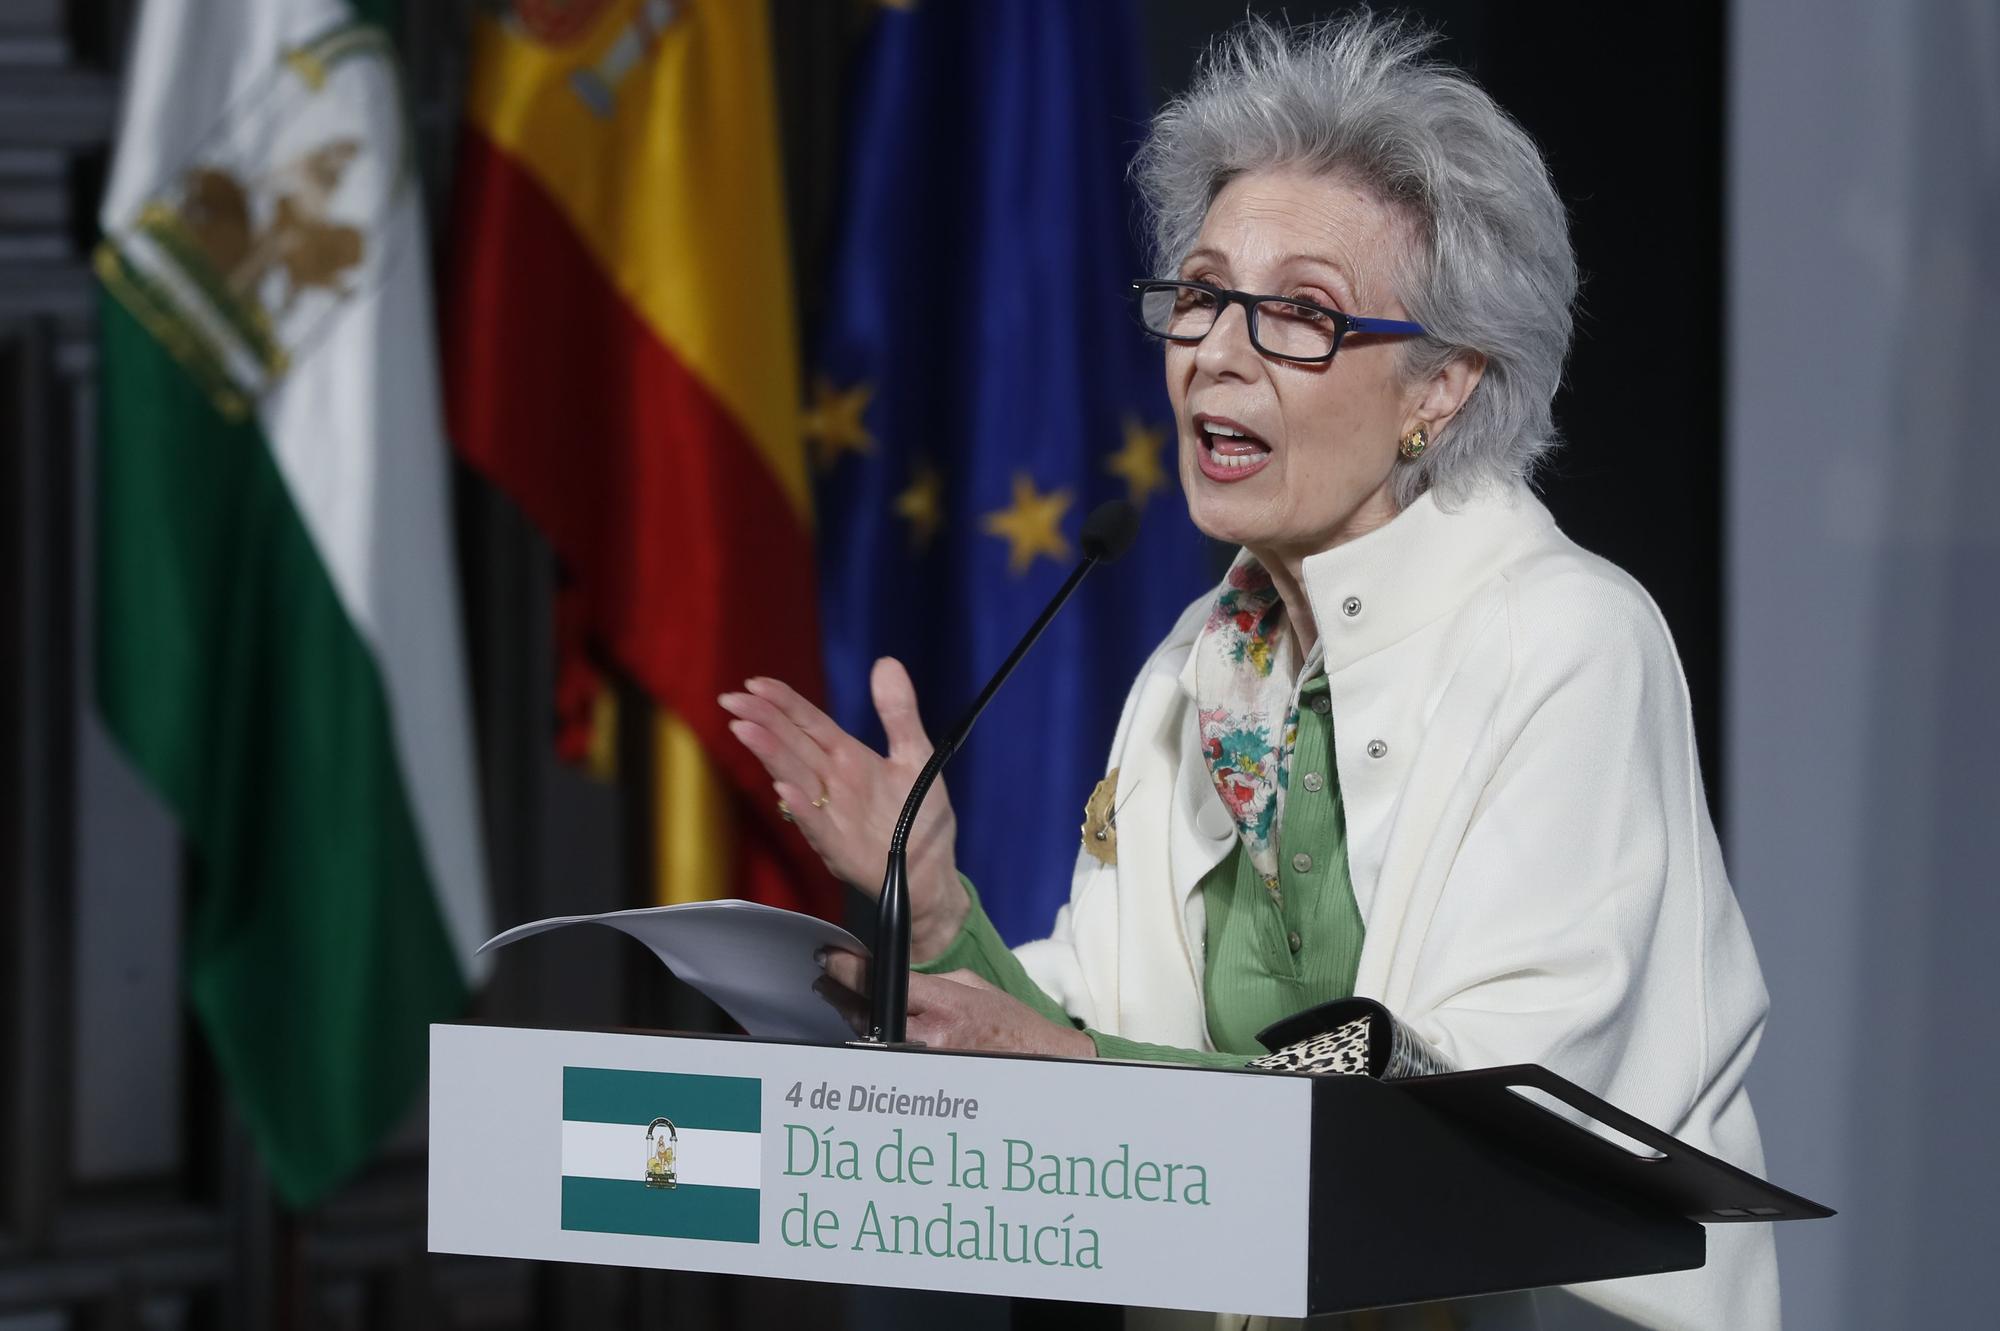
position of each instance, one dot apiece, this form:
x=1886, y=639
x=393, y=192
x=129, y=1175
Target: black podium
x=1518, y=1196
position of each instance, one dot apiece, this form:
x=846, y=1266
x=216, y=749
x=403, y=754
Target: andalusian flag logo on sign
x=670, y=1154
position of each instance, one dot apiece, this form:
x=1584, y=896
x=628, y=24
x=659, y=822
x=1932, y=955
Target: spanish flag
x=622, y=360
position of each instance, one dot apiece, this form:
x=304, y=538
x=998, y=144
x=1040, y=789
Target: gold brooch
x=1100, y=821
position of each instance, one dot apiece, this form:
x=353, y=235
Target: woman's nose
x=1227, y=347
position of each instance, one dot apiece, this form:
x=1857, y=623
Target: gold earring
x=1414, y=444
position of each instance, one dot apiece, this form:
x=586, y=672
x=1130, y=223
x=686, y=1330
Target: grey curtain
x=1863, y=658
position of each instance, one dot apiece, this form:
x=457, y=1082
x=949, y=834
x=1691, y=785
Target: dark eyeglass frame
x=1343, y=323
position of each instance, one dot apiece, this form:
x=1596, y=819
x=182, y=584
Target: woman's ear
x=1441, y=396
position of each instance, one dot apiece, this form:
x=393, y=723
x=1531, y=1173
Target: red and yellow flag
x=622, y=360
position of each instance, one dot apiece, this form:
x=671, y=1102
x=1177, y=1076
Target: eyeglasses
x=1295, y=330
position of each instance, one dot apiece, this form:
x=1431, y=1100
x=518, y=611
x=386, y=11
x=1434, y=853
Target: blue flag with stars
x=981, y=384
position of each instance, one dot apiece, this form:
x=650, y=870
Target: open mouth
x=1229, y=452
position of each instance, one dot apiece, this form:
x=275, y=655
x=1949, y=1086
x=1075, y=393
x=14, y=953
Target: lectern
x=1226, y=1191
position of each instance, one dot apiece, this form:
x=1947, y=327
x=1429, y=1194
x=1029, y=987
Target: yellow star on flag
x=923, y=504
x=1032, y=526
x=833, y=422
x=1138, y=462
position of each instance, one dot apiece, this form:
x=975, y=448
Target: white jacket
x=1531, y=852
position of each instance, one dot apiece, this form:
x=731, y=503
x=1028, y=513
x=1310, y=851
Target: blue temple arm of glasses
x=1399, y=326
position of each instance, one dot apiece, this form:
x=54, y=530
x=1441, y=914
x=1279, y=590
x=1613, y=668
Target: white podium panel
x=1111, y=1183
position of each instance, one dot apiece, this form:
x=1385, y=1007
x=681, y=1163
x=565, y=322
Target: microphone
x=1107, y=533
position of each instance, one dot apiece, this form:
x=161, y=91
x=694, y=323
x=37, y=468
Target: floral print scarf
x=1246, y=681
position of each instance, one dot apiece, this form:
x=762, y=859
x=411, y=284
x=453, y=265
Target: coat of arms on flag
x=668, y=1154
x=660, y=1153
x=241, y=252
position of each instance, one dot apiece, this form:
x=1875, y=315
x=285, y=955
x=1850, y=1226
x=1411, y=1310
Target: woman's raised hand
x=846, y=797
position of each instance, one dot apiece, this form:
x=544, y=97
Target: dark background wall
x=128, y=1195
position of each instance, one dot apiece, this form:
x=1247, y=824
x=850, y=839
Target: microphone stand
x=889, y=972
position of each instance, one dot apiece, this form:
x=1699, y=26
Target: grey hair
x=1490, y=271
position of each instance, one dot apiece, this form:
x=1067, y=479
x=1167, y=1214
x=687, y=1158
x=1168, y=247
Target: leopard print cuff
x=1354, y=1037
x=1341, y=1052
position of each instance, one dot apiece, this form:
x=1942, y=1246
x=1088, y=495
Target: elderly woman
x=1417, y=746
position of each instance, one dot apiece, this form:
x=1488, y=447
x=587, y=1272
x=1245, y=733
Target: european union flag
x=981, y=385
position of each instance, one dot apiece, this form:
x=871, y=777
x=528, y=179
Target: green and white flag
x=671, y=1154
x=278, y=629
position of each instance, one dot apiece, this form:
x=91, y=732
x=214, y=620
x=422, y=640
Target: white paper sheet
x=755, y=962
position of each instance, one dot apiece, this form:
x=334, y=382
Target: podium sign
x=1103, y=1182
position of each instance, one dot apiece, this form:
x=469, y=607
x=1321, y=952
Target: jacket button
x=1302, y=862
x=1294, y=942
x=1314, y=781
x=1213, y=821
x=1322, y=704
x=1377, y=749
x=1351, y=606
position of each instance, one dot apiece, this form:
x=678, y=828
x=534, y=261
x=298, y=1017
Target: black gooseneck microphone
x=1107, y=533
